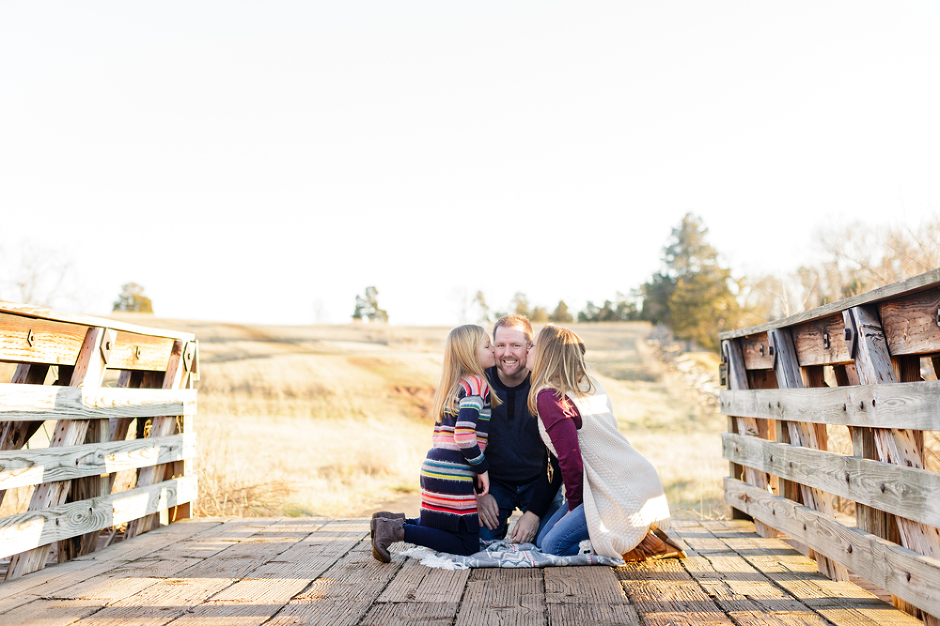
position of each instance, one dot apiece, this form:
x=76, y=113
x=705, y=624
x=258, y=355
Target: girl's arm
x=472, y=398
x=561, y=420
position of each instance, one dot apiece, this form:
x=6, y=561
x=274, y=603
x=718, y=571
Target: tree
x=367, y=307
x=694, y=294
x=538, y=315
x=589, y=314
x=520, y=304
x=483, y=310
x=561, y=315
x=132, y=298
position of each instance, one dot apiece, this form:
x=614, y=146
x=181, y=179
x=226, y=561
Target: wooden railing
x=117, y=403
x=863, y=370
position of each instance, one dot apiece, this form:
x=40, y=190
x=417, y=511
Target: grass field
x=333, y=420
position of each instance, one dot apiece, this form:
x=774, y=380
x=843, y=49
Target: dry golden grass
x=332, y=420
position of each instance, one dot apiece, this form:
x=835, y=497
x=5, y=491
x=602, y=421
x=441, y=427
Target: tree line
x=697, y=296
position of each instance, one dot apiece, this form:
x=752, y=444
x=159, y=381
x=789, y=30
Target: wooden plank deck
x=253, y=571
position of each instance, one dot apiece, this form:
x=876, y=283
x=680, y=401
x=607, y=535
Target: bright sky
x=267, y=161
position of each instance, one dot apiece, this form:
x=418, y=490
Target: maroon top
x=562, y=422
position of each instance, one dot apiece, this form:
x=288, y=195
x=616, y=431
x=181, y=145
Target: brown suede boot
x=387, y=532
x=655, y=545
x=386, y=515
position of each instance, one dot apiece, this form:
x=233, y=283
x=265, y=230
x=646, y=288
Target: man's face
x=511, y=348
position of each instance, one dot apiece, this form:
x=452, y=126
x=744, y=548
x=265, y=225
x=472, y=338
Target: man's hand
x=525, y=529
x=489, y=511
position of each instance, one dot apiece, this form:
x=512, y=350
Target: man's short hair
x=515, y=321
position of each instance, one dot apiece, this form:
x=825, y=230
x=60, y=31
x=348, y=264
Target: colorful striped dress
x=448, y=474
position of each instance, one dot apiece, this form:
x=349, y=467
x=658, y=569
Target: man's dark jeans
x=510, y=497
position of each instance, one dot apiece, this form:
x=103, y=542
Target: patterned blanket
x=505, y=554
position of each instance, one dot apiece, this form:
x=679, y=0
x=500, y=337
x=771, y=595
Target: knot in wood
x=850, y=549
x=846, y=477
x=882, y=488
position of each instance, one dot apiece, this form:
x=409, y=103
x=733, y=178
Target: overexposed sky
x=267, y=161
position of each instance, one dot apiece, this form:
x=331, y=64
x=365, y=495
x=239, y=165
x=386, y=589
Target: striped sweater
x=448, y=474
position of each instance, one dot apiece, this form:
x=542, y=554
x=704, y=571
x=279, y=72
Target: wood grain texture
x=39, y=465
x=38, y=402
x=744, y=424
x=790, y=376
x=913, y=285
x=54, y=343
x=911, y=324
x=900, y=490
x=42, y=313
x=810, y=340
x=884, y=563
x=913, y=406
x=503, y=596
x=26, y=531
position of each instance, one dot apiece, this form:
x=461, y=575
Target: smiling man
x=515, y=452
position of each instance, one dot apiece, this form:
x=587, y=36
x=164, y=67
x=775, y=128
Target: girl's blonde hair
x=559, y=364
x=460, y=359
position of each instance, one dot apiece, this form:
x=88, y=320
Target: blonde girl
x=455, y=464
x=614, y=495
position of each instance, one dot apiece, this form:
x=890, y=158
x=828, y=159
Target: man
x=516, y=455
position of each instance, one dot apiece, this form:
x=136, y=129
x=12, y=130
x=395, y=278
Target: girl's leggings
x=462, y=542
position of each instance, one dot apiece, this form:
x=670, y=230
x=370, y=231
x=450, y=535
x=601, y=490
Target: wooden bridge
x=122, y=402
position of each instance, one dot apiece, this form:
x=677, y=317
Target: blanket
x=505, y=554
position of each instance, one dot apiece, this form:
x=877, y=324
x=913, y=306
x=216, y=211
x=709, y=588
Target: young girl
x=614, y=495
x=448, y=520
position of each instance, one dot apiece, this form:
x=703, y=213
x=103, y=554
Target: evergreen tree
x=561, y=315
x=132, y=298
x=694, y=287
x=520, y=304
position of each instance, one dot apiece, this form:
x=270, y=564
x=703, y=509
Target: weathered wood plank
x=821, y=342
x=674, y=602
x=910, y=324
x=53, y=343
x=412, y=614
x=503, y=596
x=887, y=565
x=790, y=376
x=42, y=313
x=26, y=531
x=913, y=406
x=38, y=402
x=161, y=426
x=895, y=290
x=88, y=372
x=33, y=467
x=745, y=425
x=344, y=593
x=900, y=490
x=417, y=583
x=134, y=351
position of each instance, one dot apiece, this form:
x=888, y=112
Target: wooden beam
x=899, y=446
x=748, y=426
x=904, y=573
x=176, y=376
x=20, y=468
x=25, y=403
x=42, y=313
x=821, y=342
x=14, y=435
x=34, y=529
x=911, y=323
x=789, y=376
x=89, y=372
x=912, y=285
x=900, y=490
x=901, y=405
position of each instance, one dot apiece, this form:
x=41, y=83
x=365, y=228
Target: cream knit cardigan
x=623, y=496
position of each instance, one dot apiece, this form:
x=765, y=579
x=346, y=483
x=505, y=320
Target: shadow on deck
x=315, y=571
